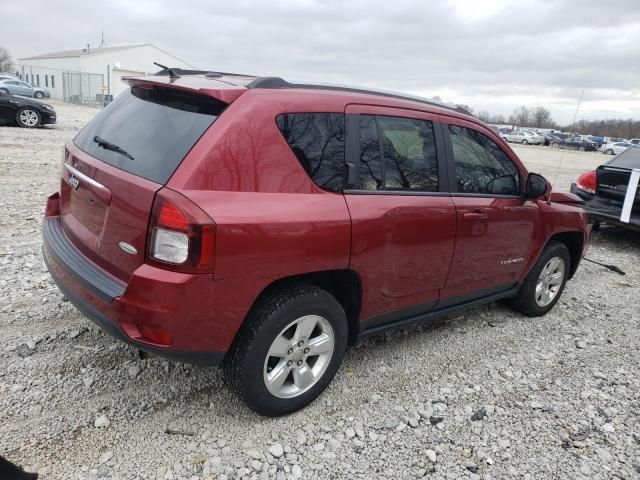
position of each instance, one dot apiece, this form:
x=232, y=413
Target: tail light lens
x=181, y=235
x=587, y=182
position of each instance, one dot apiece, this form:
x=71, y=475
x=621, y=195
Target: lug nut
x=300, y=343
x=299, y=363
x=306, y=350
x=290, y=351
x=289, y=363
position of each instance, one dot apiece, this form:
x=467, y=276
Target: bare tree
x=498, y=119
x=6, y=64
x=541, y=117
x=484, y=116
x=521, y=116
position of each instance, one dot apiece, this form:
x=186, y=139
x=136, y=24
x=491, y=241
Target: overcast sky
x=493, y=55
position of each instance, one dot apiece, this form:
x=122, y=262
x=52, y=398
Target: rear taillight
x=587, y=182
x=181, y=235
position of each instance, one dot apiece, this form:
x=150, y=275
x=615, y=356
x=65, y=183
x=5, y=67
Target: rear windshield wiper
x=112, y=146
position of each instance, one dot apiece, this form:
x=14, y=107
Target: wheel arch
x=345, y=286
x=573, y=240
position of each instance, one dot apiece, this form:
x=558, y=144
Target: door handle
x=475, y=216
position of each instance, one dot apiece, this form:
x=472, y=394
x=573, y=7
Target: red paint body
x=272, y=222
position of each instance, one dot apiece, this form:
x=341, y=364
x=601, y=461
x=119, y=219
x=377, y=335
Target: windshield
x=149, y=131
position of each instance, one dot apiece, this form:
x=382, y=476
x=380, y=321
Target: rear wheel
x=38, y=95
x=289, y=350
x=28, y=117
x=582, y=149
x=555, y=145
x=524, y=142
x=609, y=152
x=546, y=281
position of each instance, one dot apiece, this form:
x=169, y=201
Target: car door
x=496, y=225
x=6, y=108
x=25, y=89
x=403, y=218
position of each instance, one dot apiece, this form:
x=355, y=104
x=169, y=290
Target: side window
x=317, y=140
x=481, y=166
x=408, y=161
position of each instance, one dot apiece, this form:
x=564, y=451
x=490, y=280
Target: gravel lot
x=488, y=394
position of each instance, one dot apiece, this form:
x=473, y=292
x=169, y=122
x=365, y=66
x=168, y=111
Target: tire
x=609, y=152
x=278, y=323
x=38, y=95
x=555, y=145
x=4, y=90
x=524, y=142
x=531, y=299
x=581, y=148
x=28, y=118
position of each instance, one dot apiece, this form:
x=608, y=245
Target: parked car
x=538, y=137
x=304, y=218
x=604, y=190
x=551, y=140
x=18, y=87
x=25, y=112
x=579, y=143
x=520, y=136
x=635, y=141
x=597, y=140
x=615, y=148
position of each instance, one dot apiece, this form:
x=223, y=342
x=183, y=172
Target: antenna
x=555, y=175
x=102, y=42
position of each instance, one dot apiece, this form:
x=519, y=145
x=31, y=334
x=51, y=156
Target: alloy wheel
x=299, y=356
x=550, y=281
x=29, y=118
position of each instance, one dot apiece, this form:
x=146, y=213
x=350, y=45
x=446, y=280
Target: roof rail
x=280, y=83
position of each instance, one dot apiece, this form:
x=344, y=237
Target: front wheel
x=609, y=152
x=524, y=142
x=289, y=350
x=28, y=118
x=582, y=149
x=555, y=145
x=543, y=286
x=38, y=95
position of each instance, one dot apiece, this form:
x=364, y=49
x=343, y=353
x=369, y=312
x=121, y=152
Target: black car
x=25, y=112
x=579, y=143
x=604, y=190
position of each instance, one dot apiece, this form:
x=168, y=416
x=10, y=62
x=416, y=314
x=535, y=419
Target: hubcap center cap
x=298, y=354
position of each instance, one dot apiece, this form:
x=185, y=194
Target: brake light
x=587, y=182
x=181, y=235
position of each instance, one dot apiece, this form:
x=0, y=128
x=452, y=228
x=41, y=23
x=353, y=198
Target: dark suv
x=224, y=219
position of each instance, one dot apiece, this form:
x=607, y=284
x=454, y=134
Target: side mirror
x=536, y=186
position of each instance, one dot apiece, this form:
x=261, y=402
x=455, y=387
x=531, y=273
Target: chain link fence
x=83, y=88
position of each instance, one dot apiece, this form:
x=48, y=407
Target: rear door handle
x=475, y=216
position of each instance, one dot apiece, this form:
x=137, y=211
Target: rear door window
x=397, y=154
x=149, y=131
x=317, y=140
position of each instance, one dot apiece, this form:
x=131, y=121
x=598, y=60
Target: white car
x=523, y=137
x=615, y=148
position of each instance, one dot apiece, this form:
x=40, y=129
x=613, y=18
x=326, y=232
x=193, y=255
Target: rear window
x=317, y=140
x=149, y=131
x=630, y=158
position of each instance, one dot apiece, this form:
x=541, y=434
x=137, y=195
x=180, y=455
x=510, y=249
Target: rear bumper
x=604, y=210
x=178, y=304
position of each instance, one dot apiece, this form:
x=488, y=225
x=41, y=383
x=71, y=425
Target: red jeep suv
x=217, y=218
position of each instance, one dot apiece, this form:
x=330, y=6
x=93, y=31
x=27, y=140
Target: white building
x=83, y=76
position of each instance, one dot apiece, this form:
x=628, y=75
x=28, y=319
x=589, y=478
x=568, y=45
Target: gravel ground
x=487, y=394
